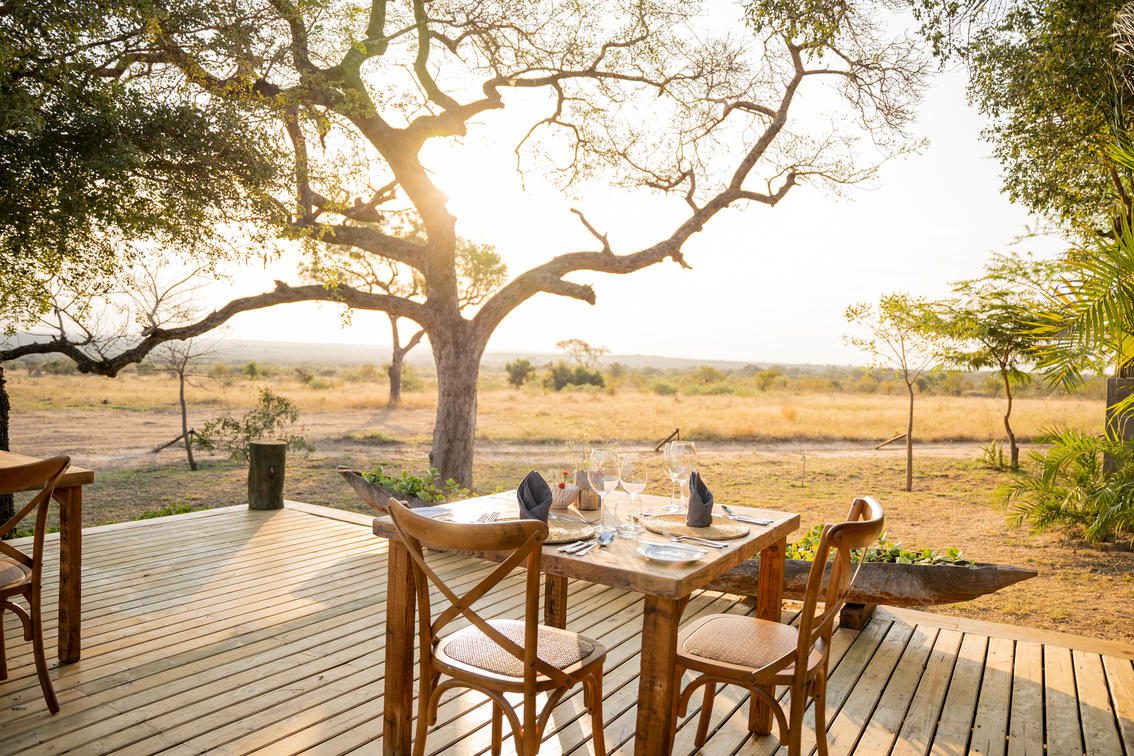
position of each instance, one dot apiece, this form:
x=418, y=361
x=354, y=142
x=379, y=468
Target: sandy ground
x=1081, y=589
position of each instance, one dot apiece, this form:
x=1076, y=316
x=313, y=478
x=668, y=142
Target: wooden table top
x=75, y=476
x=619, y=564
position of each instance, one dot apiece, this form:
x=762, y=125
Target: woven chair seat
x=559, y=648
x=12, y=573
x=741, y=641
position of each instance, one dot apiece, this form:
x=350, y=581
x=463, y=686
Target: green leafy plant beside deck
x=1080, y=482
x=884, y=551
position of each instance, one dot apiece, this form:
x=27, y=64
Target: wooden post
x=266, y=474
x=1119, y=424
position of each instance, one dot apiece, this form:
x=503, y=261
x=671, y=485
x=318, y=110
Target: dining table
x=69, y=495
x=666, y=587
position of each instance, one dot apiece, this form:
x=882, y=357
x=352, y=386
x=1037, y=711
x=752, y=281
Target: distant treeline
x=749, y=380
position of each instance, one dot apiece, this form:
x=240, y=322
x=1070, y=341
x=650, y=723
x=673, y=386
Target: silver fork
x=743, y=518
x=694, y=539
x=488, y=517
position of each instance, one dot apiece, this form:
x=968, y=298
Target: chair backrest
x=523, y=538
x=42, y=474
x=832, y=585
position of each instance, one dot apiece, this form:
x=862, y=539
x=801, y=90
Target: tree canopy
x=96, y=158
x=1048, y=77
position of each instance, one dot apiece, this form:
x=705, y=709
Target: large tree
x=645, y=95
x=1047, y=76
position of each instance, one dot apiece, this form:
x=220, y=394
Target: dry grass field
x=537, y=415
x=808, y=453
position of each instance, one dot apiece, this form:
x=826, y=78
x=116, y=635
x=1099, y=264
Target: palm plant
x=1081, y=481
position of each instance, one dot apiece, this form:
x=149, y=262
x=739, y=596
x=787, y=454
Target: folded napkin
x=700, y=503
x=534, y=496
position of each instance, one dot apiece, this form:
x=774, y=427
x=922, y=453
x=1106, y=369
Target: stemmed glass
x=602, y=473
x=680, y=459
x=633, y=475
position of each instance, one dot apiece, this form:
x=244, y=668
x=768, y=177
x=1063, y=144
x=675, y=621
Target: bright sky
x=767, y=285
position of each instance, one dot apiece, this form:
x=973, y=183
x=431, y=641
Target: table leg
x=657, y=694
x=555, y=601
x=397, y=714
x=70, y=572
x=769, y=606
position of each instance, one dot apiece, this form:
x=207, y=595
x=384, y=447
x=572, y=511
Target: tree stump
x=266, y=474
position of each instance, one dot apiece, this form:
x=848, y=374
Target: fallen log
x=888, y=583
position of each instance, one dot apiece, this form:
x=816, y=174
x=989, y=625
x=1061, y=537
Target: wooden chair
x=496, y=656
x=759, y=655
x=21, y=575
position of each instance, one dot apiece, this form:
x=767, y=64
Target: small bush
x=1080, y=482
x=664, y=389
x=273, y=417
x=519, y=372
x=166, y=511
x=560, y=375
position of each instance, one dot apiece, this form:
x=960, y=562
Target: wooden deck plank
x=990, y=726
x=1025, y=723
x=886, y=721
x=208, y=634
x=920, y=720
x=1100, y=729
x=854, y=717
x=956, y=723
x=1120, y=676
x=1061, y=704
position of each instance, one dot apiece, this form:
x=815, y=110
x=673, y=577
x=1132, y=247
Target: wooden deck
x=232, y=631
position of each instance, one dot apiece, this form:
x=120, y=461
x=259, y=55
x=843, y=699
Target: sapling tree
x=902, y=333
x=990, y=323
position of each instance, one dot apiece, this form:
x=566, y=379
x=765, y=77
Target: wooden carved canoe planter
x=887, y=583
x=374, y=495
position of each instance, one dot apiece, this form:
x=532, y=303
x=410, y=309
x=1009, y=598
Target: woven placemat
x=720, y=530
x=565, y=531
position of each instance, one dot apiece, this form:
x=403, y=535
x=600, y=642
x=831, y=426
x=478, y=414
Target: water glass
x=602, y=474
x=680, y=460
x=633, y=474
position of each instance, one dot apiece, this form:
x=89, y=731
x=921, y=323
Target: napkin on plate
x=700, y=513
x=534, y=496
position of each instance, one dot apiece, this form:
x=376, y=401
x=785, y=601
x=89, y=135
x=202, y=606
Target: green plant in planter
x=428, y=489
x=885, y=552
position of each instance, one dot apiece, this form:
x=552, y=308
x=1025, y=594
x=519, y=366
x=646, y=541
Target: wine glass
x=680, y=459
x=602, y=474
x=633, y=474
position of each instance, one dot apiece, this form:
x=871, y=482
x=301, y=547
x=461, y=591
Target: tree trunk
x=185, y=419
x=457, y=353
x=909, y=441
x=7, y=507
x=397, y=360
x=1013, y=448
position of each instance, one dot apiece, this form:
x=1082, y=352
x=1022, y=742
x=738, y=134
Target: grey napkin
x=700, y=503
x=534, y=496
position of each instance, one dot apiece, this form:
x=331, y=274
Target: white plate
x=436, y=513
x=666, y=552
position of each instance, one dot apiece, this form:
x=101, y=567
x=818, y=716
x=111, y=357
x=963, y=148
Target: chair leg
x=706, y=714
x=3, y=659
x=821, y=714
x=795, y=721
x=598, y=737
x=36, y=626
x=497, y=728
x=424, y=694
